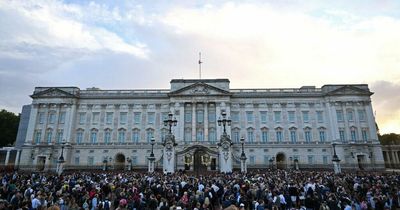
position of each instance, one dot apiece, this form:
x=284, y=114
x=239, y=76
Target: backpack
x=106, y=205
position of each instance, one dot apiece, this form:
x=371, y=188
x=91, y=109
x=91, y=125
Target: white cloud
x=57, y=25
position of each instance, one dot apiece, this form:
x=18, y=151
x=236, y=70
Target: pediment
x=199, y=89
x=53, y=93
x=349, y=90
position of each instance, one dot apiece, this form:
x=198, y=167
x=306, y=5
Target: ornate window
x=342, y=135
x=136, y=135
x=293, y=135
x=250, y=135
x=188, y=135
x=322, y=134
x=107, y=136
x=350, y=115
x=306, y=117
x=49, y=135
x=364, y=133
x=121, y=135
x=249, y=117
x=307, y=134
x=320, y=116
x=279, y=135
x=339, y=115
x=122, y=117
x=52, y=117
x=93, y=136
x=200, y=135
x=137, y=117
x=59, y=137
x=236, y=135
x=61, y=119
x=291, y=116
x=79, y=136
x=149, y=135
x=263, y=117
x=38, y=136
x=277, y=116
x=212, y=136
x=264, y=135
x=353, y=133
x=109, y=118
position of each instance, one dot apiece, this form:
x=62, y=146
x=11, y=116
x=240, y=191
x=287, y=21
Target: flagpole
x=200, y=65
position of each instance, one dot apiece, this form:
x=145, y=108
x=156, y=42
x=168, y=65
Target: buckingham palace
x=199, y=125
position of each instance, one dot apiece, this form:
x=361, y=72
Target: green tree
x=8, y=128
x=389, y=139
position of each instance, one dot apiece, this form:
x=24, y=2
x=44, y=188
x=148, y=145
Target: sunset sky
x=255, y=44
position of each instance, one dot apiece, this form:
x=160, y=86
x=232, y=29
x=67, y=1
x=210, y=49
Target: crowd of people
x=256, y=190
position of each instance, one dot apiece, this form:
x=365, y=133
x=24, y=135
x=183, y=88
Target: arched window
x=121, y=135
x=322, y=134
x=49, y=135
x=279, y=135
x=293, y=135
x=59, y=137
x=136, y=135
x=79, y=136
x=353, y=133
x=149, y=134
x=107, y=136
x=307, y=134
x=93, y=136
x=250, y=135
x=188, y=135
x=236, y=135
x=212, y=136
x=264, y=135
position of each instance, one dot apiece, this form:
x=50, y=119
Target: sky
x=255, y=44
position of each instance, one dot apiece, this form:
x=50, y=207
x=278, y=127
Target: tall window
x=264, y=136
x=325, y=160
x=109, y=117
x=188, y=135
x=342, y=135
x=38, y=136
x=95, y=117
x=93, y=136
x=211, y=116
x=305, y=116
x=79, y=136
x=236, y=134
x=62, y=118
x=188, y=116
x=90, y=160
x=137, y=117
x=49, y=135
x=121, y=136
x=164, y=116
x=135, y=136
x=250, y=135
x=350, y=116
x=52, y=117
x=264, y=117
x=41, y=117
x=82, y=117
x=310, y=159
x=149, y=135
x=122, y=117
x=200, y=116
x=249, y=117
x=339, y=115
x=353, y=134
x=212, y=136
x=364, y=133
x=293, y=136
x=76, y=161
x=307, y=135
x=320, y=116
x=59, y=136
x=200, y=135
x=291, y=116
x=252, y=160
x=279, y=135
x=163, y=134
x=107, y=136
x=322, y=135
x=361, y=115
x=277, y=116
x=235, y=116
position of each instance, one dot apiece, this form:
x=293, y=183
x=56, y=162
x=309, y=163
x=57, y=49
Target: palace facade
x=282, y=128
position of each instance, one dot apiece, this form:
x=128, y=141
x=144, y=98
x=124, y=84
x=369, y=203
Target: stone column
x=371, y=122
x=206, y=121
x=193, y=121
x=70, y=114
x=387, y=158
x=218, y=116
x=32, y=123
x=181, y=122
x=396, y=159
x=16, y=162
x=333, y=122
x=7, y=158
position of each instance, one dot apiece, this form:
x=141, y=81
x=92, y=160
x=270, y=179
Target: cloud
x=386, y=102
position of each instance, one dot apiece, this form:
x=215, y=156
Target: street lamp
x=129, y=163
x=105, y=164
x=271, y=162
x=170, y=122
x=243, y=157
x=224, y=121
x=335, y=160
x=151, y=158
x=61, y=160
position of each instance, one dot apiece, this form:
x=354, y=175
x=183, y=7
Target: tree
x=389, y=139
x=8, y=128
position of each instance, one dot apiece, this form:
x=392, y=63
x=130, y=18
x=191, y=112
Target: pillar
x=336, y=167
x=193, y=121
x=7, y=158
x=16, y=162
x=206, y=121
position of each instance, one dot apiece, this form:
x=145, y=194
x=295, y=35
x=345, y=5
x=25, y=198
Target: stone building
x=282, y=128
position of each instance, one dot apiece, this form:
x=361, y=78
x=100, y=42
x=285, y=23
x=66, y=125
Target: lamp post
x=170, y=122
x=61, y=160
x=129, y=160
x=105, y=164
x=243, y=158
x=271, y=162
x=224, y=121
x=151, y=158
x=336, y=160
